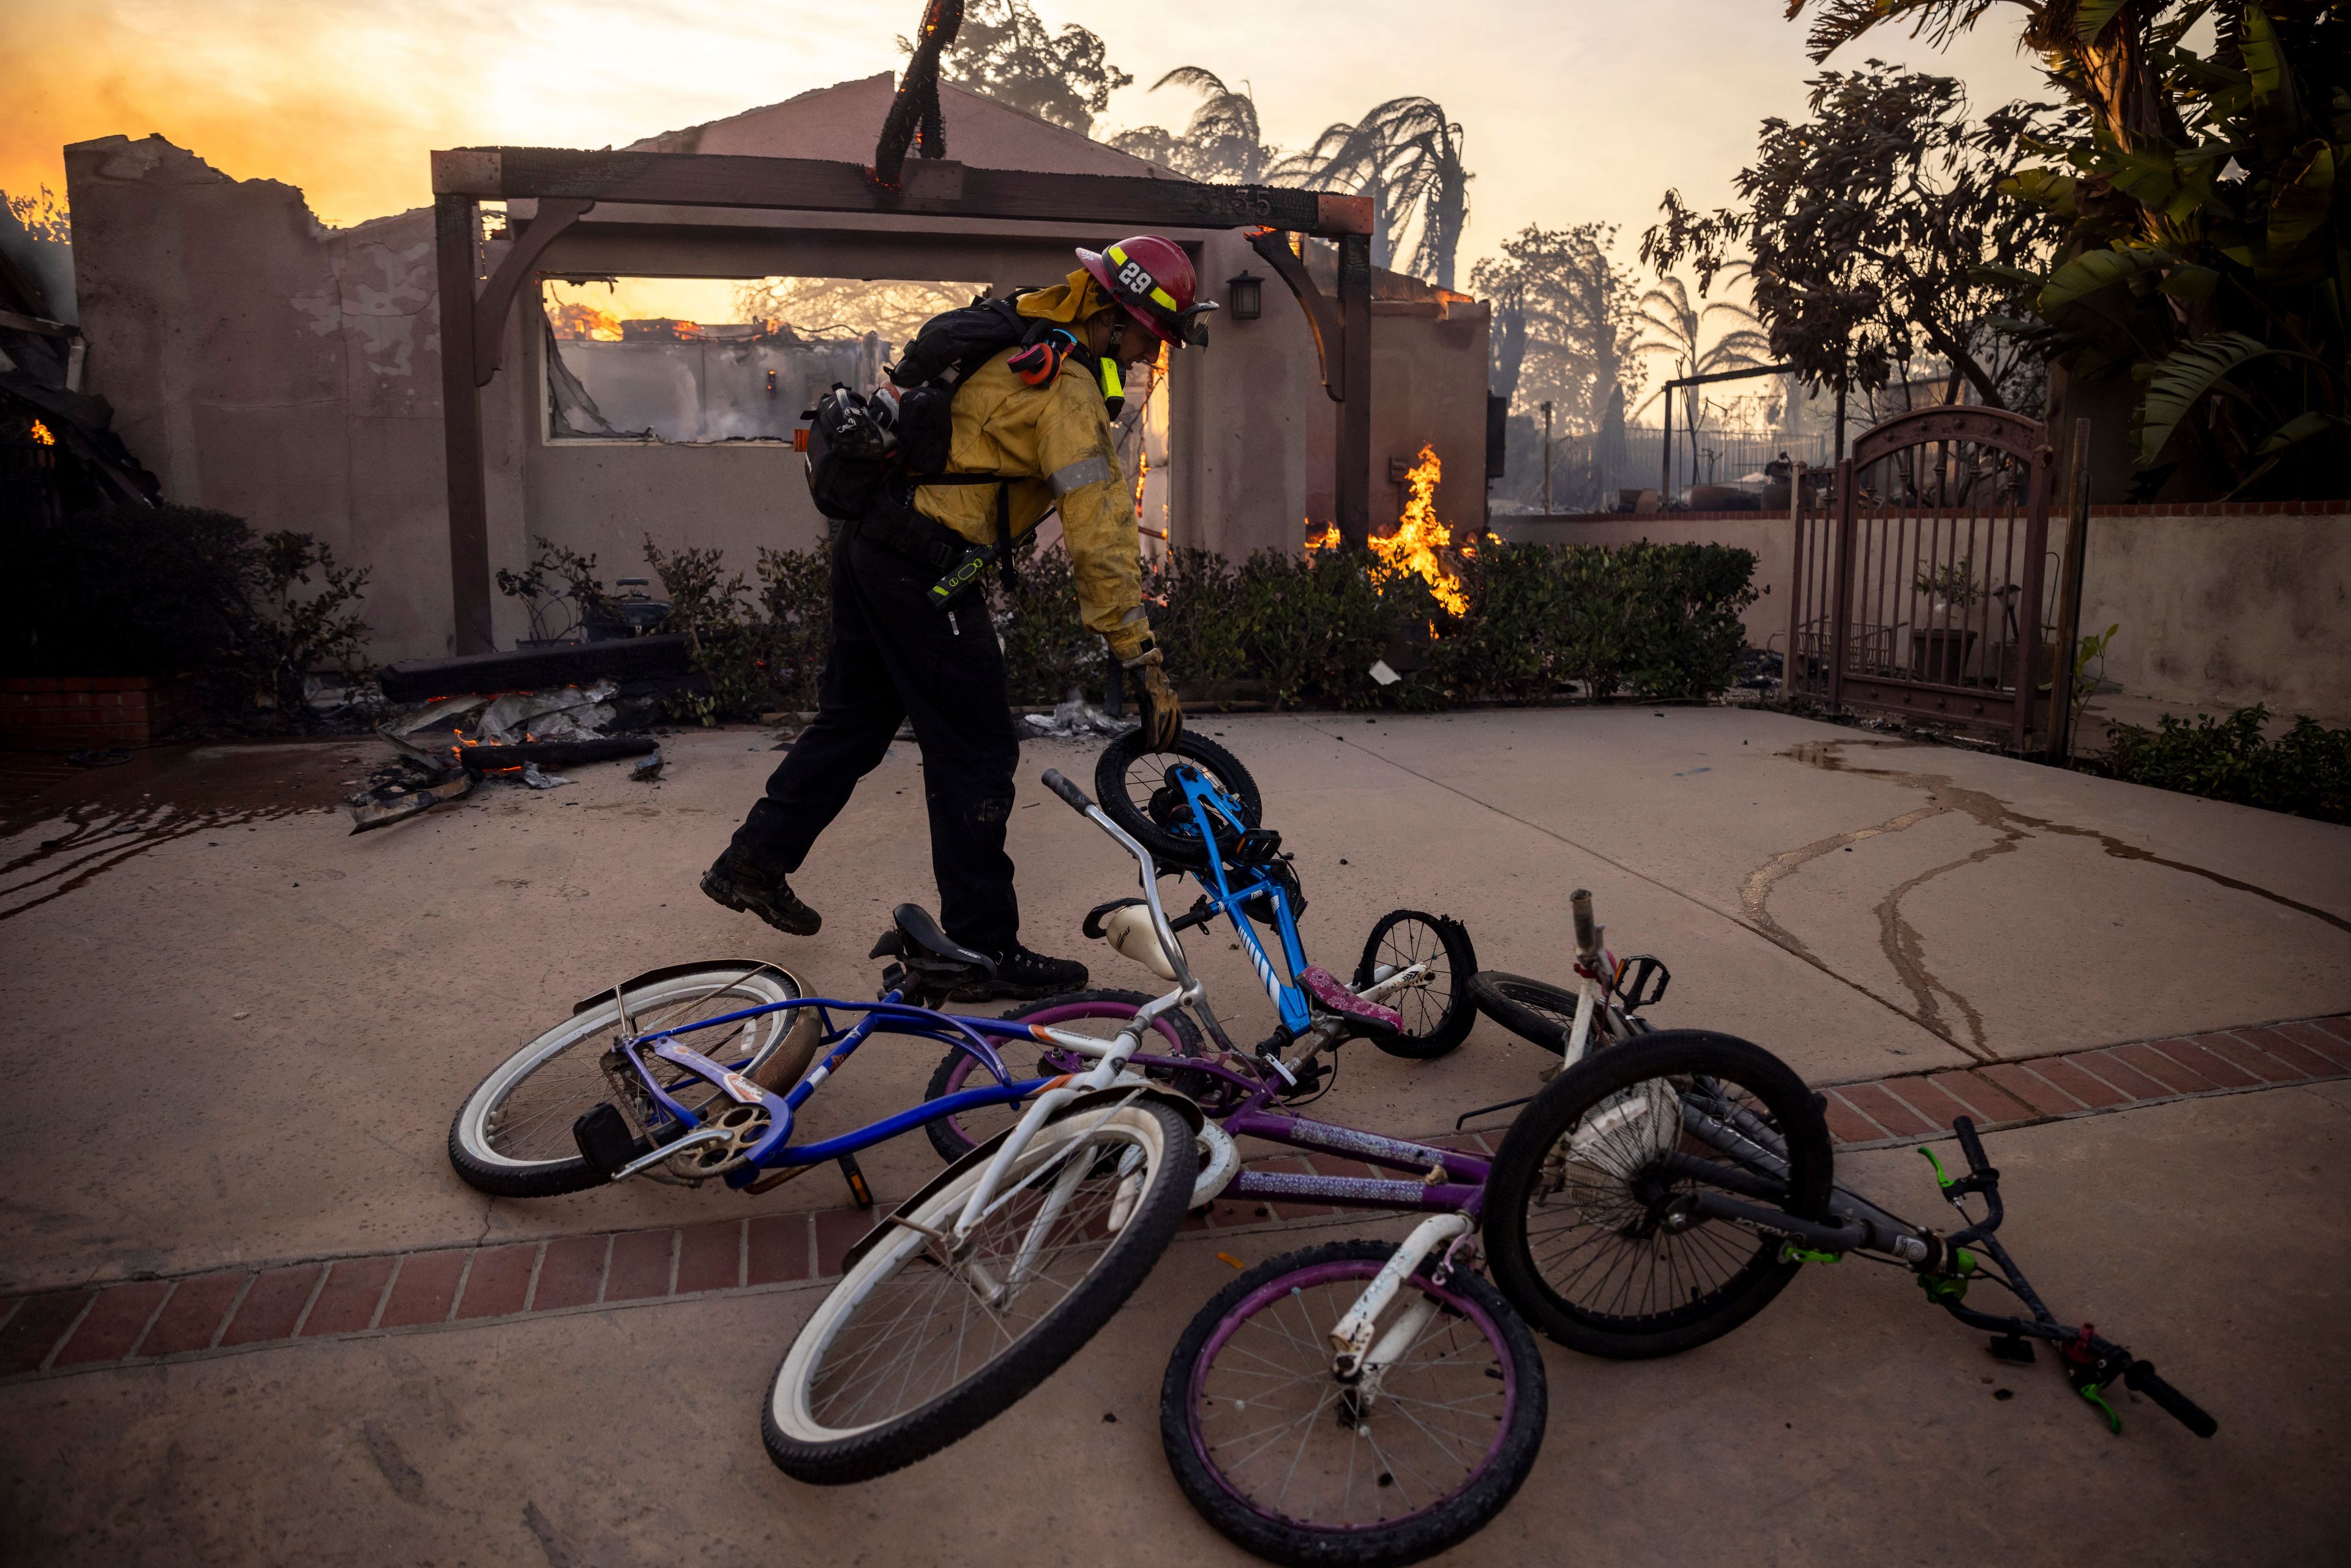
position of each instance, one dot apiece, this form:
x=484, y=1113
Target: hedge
x=2306, y=772
x=1651, y=621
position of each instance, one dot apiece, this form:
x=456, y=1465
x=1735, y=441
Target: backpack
x=854, y=443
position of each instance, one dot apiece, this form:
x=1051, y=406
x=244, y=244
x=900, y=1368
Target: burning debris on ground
x=448, y=744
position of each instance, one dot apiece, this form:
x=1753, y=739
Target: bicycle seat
x=1370, y=1019
x=923, y=943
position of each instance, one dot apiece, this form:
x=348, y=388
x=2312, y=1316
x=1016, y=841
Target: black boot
x=739, y=885
x=1024, y=976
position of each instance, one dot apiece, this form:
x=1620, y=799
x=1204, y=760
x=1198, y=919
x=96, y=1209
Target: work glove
x=1155, y=702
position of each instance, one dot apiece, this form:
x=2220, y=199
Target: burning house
x=266, y=365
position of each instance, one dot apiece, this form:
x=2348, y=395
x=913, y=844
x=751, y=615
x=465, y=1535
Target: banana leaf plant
x=2210, y=254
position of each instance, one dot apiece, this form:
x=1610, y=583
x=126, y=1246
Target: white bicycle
x=976, y=1288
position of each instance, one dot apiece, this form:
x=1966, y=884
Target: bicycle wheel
x=917, y=1347
x=1295, y=1466
x=1101, y=1013
x=1534, y=1011
x=512, y=1138
x=1437, y=1011
x=1132, y=785
x=1576, y=1206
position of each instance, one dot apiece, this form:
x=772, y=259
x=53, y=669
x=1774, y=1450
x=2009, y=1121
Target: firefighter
x=1044, y=427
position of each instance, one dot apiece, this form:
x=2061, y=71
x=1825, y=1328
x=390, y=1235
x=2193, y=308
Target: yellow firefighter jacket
x=1053, y=443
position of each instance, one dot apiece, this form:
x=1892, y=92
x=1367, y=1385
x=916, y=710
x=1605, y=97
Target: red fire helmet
x=1153, y=279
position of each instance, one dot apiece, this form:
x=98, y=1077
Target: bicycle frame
x=1291, y=1006
x=1944, y=1265
x=1444, y=1184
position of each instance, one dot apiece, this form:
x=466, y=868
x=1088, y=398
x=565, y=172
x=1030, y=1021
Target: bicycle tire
x=1535, y=1011
x=1172, y=848
x=472, y=1150
x=953, y=1138
x=1197, y=1395
x=807, y=1449
x=1458, y=1014
x=1608, y=1163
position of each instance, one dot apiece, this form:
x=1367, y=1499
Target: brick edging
x=1914, y=1107
x=147, y=1322
x=217, y=1311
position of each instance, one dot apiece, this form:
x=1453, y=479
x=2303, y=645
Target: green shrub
x=1191, y=593
x=1661, y=620
x=2306, y=772
x=1658, y=620
x=170, y=591
x=796, y=592
x=1046, y=649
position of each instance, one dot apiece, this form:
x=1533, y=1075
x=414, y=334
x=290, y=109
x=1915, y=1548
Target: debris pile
x=1074, y=719
x=449, y=744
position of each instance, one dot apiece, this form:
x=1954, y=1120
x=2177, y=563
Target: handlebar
x=1078, y=800
x=1971, y=1145
x=1587, y=935
x=2140, y=1375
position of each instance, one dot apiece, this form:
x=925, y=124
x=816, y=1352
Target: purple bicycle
x=1364, y=1402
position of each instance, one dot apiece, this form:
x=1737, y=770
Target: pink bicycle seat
x=1325, y=988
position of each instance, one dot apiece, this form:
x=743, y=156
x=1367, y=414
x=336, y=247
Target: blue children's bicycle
x=1410, y=992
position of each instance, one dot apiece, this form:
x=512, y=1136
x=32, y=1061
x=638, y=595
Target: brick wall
x=92, y=710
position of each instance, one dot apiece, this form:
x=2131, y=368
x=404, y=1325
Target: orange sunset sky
x=1572, y=111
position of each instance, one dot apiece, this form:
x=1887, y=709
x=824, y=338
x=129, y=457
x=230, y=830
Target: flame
x=577, y=319
x=41, y=436
x=1415, y=544
x=1141, y=478
x=1418, y=537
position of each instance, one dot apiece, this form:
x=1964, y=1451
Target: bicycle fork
x=1360, y=1360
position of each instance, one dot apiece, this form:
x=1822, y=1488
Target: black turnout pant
x=894, y=657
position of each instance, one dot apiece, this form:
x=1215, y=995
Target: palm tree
x=1676, y=328
x=1223, y=140
x=1406, y=156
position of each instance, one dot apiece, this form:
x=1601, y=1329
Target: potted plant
x=1941, y=654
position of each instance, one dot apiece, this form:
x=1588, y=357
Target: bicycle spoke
x=1270, y=1416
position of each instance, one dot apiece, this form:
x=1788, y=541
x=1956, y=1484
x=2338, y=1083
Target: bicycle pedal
x=604, y=1140
x=2012, y=1347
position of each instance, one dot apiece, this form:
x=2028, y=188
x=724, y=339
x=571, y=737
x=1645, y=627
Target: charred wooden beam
x=939, y=188
x=535, y=669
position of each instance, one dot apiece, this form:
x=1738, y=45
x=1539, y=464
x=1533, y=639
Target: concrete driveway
x=237, y=1035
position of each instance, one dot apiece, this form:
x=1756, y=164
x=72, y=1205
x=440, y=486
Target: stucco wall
x=263, y=364
x=2224, y=612
x=2218, y=610
x=1428, y=386
x=270, y=366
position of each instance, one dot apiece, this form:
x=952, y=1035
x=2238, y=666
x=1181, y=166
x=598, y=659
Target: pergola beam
x=567, y=182
x=939, y=188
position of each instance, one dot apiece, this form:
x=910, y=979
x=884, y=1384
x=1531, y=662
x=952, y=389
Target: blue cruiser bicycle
x=966, y=1296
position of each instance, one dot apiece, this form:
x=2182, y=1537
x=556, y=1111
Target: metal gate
x=1922, y=581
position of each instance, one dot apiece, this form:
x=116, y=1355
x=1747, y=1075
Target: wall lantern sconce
x=1245, y=296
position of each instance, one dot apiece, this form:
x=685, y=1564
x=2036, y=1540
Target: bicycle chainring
x=745, y=1126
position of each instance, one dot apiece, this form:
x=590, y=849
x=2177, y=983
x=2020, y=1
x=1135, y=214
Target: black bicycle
x=1665, y=1185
